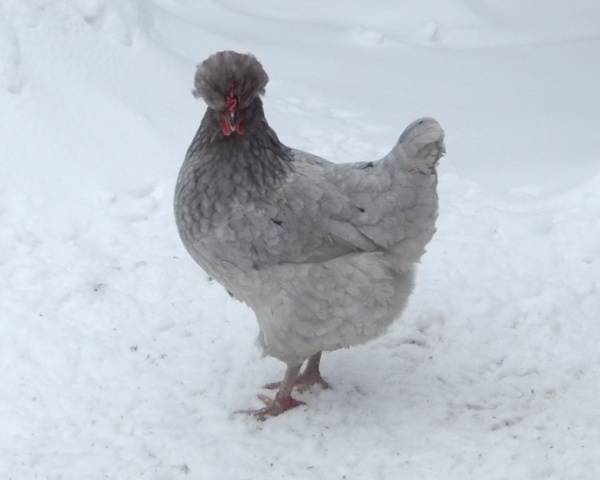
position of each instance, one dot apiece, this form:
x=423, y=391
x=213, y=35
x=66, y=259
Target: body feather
x=325, y=255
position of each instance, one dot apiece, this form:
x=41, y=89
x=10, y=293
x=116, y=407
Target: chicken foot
x=283, y=400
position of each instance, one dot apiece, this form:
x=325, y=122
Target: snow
x=120, y=359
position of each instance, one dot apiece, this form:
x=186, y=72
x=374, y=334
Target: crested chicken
x=323, y=253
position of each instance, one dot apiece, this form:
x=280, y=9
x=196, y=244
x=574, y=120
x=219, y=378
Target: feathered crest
x=227, y=72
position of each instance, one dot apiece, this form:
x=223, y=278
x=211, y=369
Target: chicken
x=323, y=253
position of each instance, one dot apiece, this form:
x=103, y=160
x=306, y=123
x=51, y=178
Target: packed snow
x=121, y=359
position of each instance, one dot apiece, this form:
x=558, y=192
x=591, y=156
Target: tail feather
x=423, y=145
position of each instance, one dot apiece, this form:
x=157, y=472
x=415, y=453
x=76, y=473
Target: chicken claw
x=274, y=407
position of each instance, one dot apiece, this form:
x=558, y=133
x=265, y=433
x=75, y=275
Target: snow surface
x=120, y=359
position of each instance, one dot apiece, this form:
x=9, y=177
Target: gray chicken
x=323, y=253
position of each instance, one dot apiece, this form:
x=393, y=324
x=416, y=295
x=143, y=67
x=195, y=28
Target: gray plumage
x=323, y=253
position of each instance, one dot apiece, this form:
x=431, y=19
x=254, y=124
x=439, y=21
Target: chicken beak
x=233, y=118
x=231, y=123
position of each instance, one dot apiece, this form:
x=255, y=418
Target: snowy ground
x=120, y=360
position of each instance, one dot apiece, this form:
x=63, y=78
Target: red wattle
x=225, y=128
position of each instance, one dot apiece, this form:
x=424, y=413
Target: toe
x=273, y=407
x=265, y=399
x=272, y=386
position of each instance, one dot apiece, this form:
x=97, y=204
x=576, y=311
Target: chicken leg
x=309, y=377
x=283, y=399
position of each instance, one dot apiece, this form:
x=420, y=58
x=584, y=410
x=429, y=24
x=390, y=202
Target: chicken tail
x=421, y=145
